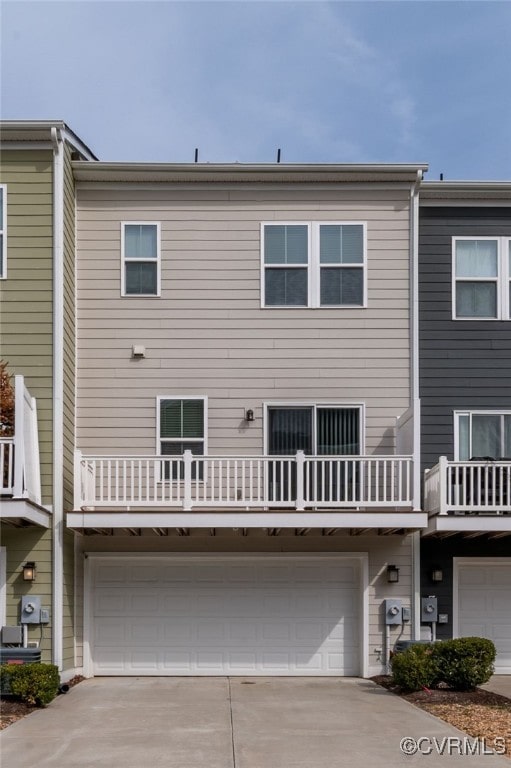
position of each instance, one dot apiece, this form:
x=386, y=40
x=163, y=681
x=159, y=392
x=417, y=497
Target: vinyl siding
x=464, y=364
x=439, y=553
x=381, y=551
x=26, y=295
x=34, y=544
x=68, y=617
x=207, y=334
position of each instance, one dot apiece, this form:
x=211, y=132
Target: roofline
x=473, y=193
x=169, y=172
x=21, y=126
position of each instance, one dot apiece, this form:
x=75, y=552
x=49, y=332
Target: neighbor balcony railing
x=298, y=482
x=468, y=486
x=19, y=453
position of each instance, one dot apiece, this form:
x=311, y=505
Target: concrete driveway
x=231, y=723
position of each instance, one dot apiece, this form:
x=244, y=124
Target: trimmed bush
x=415, y=668
x=465, y=662
x=32, y=683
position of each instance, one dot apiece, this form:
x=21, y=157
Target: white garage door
x=197, y=616
x=484, y=607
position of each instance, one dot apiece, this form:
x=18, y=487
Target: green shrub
x=464, y=663
x=32, y=683
x=415, y=668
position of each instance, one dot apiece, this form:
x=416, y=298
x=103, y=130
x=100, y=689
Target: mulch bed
x=12, y=710
x=481, y=714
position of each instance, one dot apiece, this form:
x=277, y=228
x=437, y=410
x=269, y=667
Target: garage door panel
x=484, y=605
x=289, y=618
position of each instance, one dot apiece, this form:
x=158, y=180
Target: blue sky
x=327, y=82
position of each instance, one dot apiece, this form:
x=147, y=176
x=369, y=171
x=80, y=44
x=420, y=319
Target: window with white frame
x=314, y=264
x=181, y=427
x=3, y=231
x=482, y=435
x=140, y=252
x=481, y=278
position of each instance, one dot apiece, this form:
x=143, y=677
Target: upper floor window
x=314, y=264
x=323, y=430
x=140, y=251
x=481, y=270
x=482, y=435
x=181, y=427
x=3, y=231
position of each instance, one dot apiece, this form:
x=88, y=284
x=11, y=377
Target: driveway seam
x=232, y=725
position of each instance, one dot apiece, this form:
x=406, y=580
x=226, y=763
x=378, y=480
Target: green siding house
x=37, y=334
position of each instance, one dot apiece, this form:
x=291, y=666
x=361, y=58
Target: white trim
x=204, y=398
x=465, y=523
x=20, y=509
x=503, y=309
x=91, y=558
x=457, y=563
x=416, y=585
x=3, y=232
x=314, y=404
x=58, y=396
x=406, y=520
x=313, y=264
x=3, y=586
x=87, y=614
x=156, y=295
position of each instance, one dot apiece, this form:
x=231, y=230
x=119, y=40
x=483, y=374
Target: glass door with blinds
x=317, y=430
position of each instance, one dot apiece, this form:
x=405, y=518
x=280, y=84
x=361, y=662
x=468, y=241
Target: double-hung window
x=483, y=435
x=181, y=427
x=140, y=249
x=314, y=264
x=3, y=231
x=481, y=278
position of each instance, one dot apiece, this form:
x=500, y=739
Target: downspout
x=58, y=393
x=414, y=395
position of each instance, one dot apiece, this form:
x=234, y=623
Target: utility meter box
x=30, y=610
x=429, y=609
x=393, y=611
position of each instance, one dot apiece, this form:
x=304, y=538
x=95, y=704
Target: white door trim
x=457, y=563
x=3, y=586
x=94, y=557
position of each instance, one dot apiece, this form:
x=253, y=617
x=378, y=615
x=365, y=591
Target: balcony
x=472, y=490
x=20, y=481
x=242, y=485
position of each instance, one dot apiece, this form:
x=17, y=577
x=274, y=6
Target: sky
x=340, y=82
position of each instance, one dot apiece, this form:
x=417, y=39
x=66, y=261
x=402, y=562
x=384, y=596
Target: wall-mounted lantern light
x=392, y=574
x=29, y=572
x=437, y=575
x=249, y=415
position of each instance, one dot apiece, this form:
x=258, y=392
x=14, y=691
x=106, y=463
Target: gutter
x=58, y=393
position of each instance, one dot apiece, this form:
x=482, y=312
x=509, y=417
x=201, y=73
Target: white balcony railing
x=19, y=454
x=468, y=486
x=298, y=482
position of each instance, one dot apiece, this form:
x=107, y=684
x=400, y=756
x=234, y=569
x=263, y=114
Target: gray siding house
x=247, y=479
x=465, y=367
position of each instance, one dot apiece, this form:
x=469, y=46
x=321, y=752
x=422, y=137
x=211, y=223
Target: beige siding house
x=246, y=417
x=37, y=341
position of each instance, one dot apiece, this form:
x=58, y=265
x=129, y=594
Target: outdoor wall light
x=249, y=415
x=29, y=571
x=437, y=575
x=392, y=574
